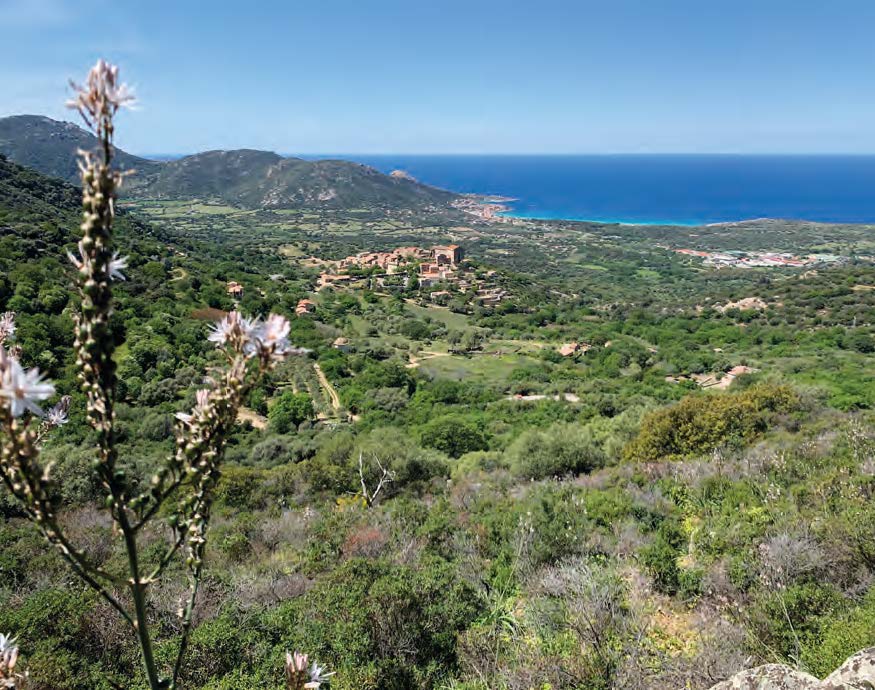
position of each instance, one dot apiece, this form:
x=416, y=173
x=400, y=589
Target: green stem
x=138, y=591
x=186, y=627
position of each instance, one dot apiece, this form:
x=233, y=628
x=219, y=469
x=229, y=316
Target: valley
x=423, y=346
x=574, y=419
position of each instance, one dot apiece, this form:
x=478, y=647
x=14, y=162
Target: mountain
x=245, y=177
x=261, y=179
x=50, y=146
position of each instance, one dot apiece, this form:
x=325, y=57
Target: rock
x=857, y=673
x=402, y=175
x=769, y=677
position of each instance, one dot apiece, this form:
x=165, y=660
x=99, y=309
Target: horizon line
x=340, y=155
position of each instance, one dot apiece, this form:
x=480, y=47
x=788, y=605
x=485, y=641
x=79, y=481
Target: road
x=326, y=384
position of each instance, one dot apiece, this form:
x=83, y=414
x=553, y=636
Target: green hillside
x=260, y=179
x=50, y=146
x=245, y=178
x=632, y=511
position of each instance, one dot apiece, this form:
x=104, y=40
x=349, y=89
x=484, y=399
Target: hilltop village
x=440, y=272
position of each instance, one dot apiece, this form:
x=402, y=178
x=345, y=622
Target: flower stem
x=138, y=591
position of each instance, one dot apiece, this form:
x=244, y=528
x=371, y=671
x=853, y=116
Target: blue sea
x=656, y=189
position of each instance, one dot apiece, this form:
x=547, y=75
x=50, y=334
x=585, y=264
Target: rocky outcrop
x=769, y=677
x=857, y=673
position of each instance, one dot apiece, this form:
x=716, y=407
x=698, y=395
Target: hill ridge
x=247, y=177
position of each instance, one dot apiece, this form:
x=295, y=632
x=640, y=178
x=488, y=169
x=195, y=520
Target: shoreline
x=491, y=207
x=494, y=207
x=613, y=221
x=680, y=223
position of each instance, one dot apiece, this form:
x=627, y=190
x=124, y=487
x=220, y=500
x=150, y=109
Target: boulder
x=857, y=673
x=770, y=677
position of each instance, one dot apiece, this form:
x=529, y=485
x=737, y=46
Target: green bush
x=454, y=435
x=701, y=422
x=560, y=449
x=286, y=413
x=660, y=557
x=840, y=638
x=784, y=620
x=381, y=625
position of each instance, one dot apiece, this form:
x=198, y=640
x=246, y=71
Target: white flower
x=202, y=400
x=57, y=415
x=233, y=328
x=23, y=388
x=318, y=674
x=75, y=260
x=270, y=337
x=296, y=667
x=7, y=325
x=296, y=661
x=102, y=93
x=183, y=417
x=116, y=266
x=274, y=331
x=8, y=657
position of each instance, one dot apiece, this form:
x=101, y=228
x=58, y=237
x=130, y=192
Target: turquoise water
x=657, y=189
x=546, y=215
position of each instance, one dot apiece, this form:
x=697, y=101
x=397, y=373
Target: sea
x=655, y=189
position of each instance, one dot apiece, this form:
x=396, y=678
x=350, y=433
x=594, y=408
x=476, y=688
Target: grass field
x=483, y=368
x=449, y=318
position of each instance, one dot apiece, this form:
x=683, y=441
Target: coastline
x=491, y=207
x=653, y=190
x=510, y=213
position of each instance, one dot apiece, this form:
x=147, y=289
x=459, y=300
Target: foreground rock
x=857, y=673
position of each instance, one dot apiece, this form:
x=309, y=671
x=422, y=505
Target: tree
x=472, y=340
x=289, y=411
x=560, y=449
x=454, y=435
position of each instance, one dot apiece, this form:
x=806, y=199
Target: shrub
x=784, y=619
x=660, y=557
x=841, y=638
x=561, y=449
x=271, y=451
x=701, y=422
x=289, y=411
x=409, y=463
x=454, y=435
x=382, y=625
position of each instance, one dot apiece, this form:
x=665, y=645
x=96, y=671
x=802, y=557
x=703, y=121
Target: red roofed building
x=449, y=254
x=305, y=306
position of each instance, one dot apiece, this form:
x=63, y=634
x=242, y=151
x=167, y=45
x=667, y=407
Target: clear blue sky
x=469, y=76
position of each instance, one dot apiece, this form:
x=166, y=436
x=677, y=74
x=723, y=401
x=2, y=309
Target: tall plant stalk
x=180, y=493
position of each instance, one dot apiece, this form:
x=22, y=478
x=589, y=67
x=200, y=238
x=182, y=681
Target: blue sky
x=449, y=76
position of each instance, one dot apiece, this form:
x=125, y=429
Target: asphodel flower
x=7, y=326
x=23, y=389
x=101, y=95
x=301, y=677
